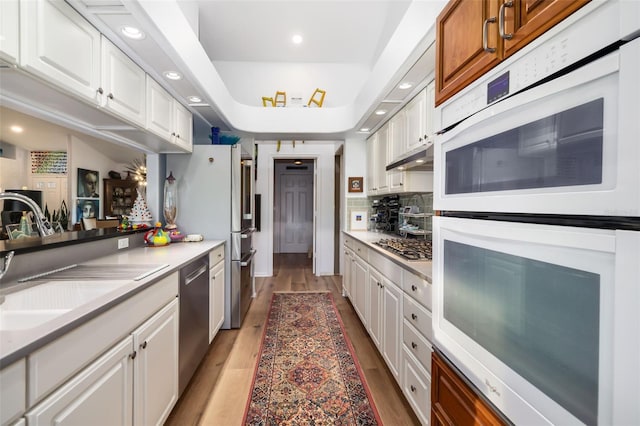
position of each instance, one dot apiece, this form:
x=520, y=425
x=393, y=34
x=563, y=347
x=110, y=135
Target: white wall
x=355, y=164
x=83, y=155
x=14, y=172
x=323, y=152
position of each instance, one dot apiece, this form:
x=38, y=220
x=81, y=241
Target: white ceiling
x=360, y=48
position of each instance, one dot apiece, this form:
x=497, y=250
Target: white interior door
x=296, y=212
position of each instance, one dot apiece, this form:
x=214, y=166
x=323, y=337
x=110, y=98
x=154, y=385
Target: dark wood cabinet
x=461, y=53
x=119, y=196
x=474, y=36
x=454, y=402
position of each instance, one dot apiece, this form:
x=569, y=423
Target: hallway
x=218, y=393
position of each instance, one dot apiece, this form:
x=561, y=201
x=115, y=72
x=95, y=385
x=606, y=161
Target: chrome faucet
x=41, y=221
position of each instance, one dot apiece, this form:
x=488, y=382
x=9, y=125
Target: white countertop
x=15, y=344
x=421, y=268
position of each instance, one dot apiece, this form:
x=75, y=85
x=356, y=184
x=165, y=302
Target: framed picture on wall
x=355, y=184
x=88, y=208
x=88, y=183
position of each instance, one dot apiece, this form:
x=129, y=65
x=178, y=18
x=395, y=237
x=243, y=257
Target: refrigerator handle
x=245, y=233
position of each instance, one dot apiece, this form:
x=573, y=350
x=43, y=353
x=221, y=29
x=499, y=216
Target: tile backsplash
x=424, y=202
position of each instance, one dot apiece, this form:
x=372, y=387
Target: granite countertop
x=422, y=269
x=15, y=344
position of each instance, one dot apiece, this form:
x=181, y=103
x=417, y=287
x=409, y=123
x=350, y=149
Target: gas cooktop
x=409, y=249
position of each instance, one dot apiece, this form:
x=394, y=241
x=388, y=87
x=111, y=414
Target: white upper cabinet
x=168, y=118
x=123, y=85
x=184, y=126
x=430, y=110
x=371, y=175
x=397, y=136
x=380, y=159
x=416, y=111
x=160, y=113
x=60, y=46
x=9, y=31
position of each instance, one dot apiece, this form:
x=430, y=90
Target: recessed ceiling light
x=297, y=39
x=420, y=161
x=404, y=85
x=132, y=32
x=194, y=99
x=365, y=129
x=400, y=168
x=297, y=162
x=172, y=75
x=16, y=129
x=381, y=112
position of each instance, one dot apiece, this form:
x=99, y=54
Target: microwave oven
x=568, y=146
x=542, y=319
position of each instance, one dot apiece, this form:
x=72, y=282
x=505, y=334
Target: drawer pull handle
x=414, y=345
x=144, y=345
x=414, y=317
x=414, y=288
x=133, y=355
x=413, y=388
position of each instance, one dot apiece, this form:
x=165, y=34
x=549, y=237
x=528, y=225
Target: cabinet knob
x=414, y=345
x=144, y=345
x=413, y=388
x=420, y=139
x=414, y=317
x=110, y=96
x=425, y=138
x=133, y=355
x=178, y=136
x=100, y=90
x=173, y=133
x=413, y=287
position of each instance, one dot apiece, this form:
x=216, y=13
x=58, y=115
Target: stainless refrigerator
x=215, y=199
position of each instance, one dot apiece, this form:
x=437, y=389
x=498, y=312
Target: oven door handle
x=244, y=262
x=245, y=233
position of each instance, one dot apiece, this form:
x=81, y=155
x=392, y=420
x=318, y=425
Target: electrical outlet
x=123, y=243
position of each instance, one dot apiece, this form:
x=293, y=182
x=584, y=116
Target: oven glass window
x=563, y=149
x=540, y=319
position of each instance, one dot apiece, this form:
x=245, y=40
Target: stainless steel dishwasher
x=194, y=318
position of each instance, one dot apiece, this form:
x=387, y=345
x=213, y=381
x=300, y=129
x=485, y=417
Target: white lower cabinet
x=360, y=278
x=155, y=384
x=216, y=299
x=13, y=391
x=375, y=300
x=100, y=395
x=416, y=386
x=392, y=326
x=133, y=383
x=346, y=273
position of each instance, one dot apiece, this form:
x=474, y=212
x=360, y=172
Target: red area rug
x=307, y=373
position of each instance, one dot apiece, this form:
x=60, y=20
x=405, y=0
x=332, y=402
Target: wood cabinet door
x=524, y=20
x=461, y=56
x=60, y=46
x=124, y=85
x=156, y=367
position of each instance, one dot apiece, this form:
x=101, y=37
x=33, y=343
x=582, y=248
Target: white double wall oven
x=537, y=248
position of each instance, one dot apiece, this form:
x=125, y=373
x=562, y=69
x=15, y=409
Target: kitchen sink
x=40, y=303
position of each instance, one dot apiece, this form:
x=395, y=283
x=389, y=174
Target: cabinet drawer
x=418, y=316
x=387, y=267
x=360, y=249
x=416, y=385
x=58, y=361
x=416, y=344
x=13, y=389
x=216, y=255
x=417, y=288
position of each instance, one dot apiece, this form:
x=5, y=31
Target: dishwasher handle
x=194, y=275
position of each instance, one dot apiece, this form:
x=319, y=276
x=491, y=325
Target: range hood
x=420, y=159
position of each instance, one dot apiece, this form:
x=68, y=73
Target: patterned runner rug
x=307, y=373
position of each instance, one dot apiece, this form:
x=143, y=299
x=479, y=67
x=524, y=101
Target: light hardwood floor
x=218, y=392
